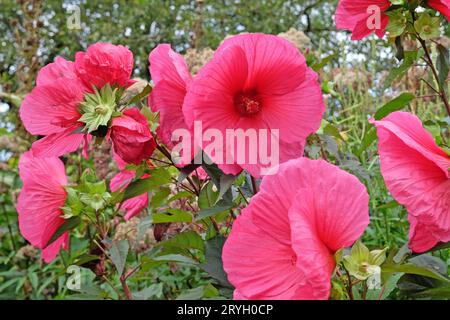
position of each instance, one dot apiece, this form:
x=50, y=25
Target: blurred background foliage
x=34, y=32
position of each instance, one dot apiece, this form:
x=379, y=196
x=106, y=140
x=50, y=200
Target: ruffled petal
x=105, y=63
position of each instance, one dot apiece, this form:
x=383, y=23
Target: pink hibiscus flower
x=362, y=17
x=258, y=82
x=282, y=245
x=443, y=6
x=171, y=78
x=39, y=203
x=131, y=136
x=52, y=108
x=416, y=172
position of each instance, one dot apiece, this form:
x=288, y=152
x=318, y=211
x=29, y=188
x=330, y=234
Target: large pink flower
x=362, y=16
x=443, y=6
x=416, y=172
x=282, y=244
x=40, y=201
x=171, y=78
x=131, y=136
x=256, y=81
x=51, y=109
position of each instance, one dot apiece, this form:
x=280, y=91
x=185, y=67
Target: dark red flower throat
x=247, y=103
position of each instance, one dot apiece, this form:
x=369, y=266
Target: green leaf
x=119, y=253
x=172, y=215
x=389, y=205
x=369, y=137
x=410, y=268
x=397, y=23
x=137, y=98
x=410, y=58
x=175, y=258
x=185, y=240
x=192, y=294
x=221, y=206
x=136, y=188
x=69, y=224
x=319, y=65
x=389, y=286
x=213, y=265
x=394, y=105
x=442, y=64
x=154, y=291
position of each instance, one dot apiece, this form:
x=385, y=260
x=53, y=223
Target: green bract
x=362, y=263
x=97, y=108
x=397, y=23
x=427, y=26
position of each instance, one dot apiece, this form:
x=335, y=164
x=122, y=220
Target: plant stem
x=430, y=63
x=350, y=285
x=13, y=243
x=125, y=287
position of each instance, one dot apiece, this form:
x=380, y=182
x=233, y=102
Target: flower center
x=97, y=108
x=101, y=109
x=247, y=103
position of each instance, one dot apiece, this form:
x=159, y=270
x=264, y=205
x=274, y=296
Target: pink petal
x=324, y=218
x=50, y=252
x=58, y=144
x=50, y=108
x=443, y=6
x=105, y=63
x=416, y=172
x=61, y=68
x=41, y=198
x=298, y=113
x=210, y=97
x=166, y=64
x=310, y=208
x=421, y=238
x=275, y=66
x=259, y=266
x=353, y=15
